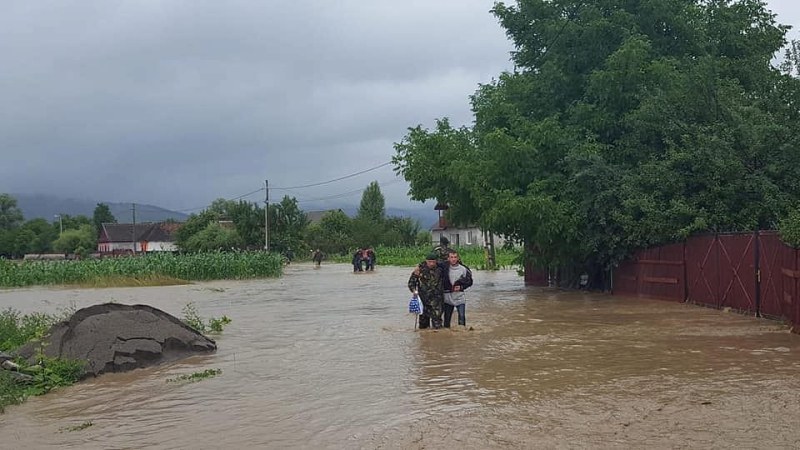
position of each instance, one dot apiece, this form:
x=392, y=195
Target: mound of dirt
x=112, y=337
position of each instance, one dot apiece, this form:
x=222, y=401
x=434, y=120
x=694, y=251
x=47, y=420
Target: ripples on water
x=327, y=358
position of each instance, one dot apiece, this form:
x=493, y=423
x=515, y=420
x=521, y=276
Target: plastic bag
x=414, y=305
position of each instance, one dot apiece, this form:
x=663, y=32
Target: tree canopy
x=102, y=214
x=373, y=205
x=10, y=214
x=625, y=124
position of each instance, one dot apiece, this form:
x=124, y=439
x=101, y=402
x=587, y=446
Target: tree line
x=224, y=225
x=624, y=125
x=66, y=234
x=230, y=224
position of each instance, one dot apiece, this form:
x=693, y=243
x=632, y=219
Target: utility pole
x=266, y=215
x=133, y=230
x=60, y=225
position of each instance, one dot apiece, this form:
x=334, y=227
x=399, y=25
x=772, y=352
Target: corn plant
x=190, y=267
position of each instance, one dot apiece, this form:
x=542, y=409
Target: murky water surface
x=323, y=358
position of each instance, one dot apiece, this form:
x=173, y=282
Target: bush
x=789, y=228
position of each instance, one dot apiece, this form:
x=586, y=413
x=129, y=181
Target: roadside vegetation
x=48, y=374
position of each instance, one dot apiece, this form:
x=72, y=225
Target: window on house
x=470, y=237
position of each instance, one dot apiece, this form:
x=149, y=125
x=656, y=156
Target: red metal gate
x=702, y=270
x=778, y=277
x=737, y=273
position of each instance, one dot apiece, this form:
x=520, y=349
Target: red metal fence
x=748, y=272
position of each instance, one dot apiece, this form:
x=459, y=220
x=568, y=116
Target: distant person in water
x=317, y=257
x=370, y=254
x=357, y=260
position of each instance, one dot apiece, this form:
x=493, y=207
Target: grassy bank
x=16, y=330
x=473, y=257
x=156, y=269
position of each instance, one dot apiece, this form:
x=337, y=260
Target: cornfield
x=190, y=267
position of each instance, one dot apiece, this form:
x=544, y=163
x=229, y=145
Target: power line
x=345, y=194
x=336, y=179
x=261, y=189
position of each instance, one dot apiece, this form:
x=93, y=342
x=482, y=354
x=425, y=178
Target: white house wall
x=110, y=247
x=464, y=237
x=162, y=247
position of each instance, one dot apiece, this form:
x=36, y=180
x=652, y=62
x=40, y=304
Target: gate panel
x=737, y=273
x=626, y=278
x=791, y=293
x=662, y=273
x=702, y=270
x=777, y=265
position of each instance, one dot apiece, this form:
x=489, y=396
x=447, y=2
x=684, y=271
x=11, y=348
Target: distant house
x=459, y=236
x=465, y=236
x=141, y=237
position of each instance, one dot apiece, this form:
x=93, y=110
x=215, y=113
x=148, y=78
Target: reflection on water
x=327, y=358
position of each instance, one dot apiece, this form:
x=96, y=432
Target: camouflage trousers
x=433, y=307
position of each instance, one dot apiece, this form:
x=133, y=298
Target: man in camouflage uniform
x=443, y=249
x=428, y=281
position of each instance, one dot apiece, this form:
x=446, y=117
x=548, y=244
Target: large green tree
x=102, y=214
x=287, y=225
x=373, y=205
x=214, y=237
x=333, y=234
x=80, y=241
x=10, y=214
x=626, y=123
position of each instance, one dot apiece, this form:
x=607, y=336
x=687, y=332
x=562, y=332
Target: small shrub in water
x=197, y=376
x=192, y=318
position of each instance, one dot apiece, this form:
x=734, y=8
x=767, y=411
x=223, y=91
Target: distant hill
x=48, y=206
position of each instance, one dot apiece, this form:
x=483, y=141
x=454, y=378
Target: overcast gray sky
x=177, y=103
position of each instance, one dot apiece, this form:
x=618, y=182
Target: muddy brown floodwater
x=323, y=358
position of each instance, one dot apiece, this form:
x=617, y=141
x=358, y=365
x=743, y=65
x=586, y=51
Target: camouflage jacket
x=442, y=252
x=429, y=282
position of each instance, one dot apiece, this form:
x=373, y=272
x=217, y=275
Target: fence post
x=757, y=266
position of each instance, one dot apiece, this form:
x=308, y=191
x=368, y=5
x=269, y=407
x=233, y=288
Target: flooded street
x=323, y=358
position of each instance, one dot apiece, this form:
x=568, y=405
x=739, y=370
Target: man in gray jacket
x=458, y=278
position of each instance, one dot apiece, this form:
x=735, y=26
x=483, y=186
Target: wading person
x=317, y=257
x=457, y=279
x=370, y=259
x=428, y=282
x=357, y=259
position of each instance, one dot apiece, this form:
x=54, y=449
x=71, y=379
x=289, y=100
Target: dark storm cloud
x=177, y=103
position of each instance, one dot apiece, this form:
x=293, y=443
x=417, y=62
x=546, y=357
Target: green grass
x=78, y=427
x=194, y=377
x=473, y=257
x=192, y=318
x=158, y=269
x=16, y=330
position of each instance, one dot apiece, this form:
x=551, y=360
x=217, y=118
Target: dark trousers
x=448, y=314
x=432, y=314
